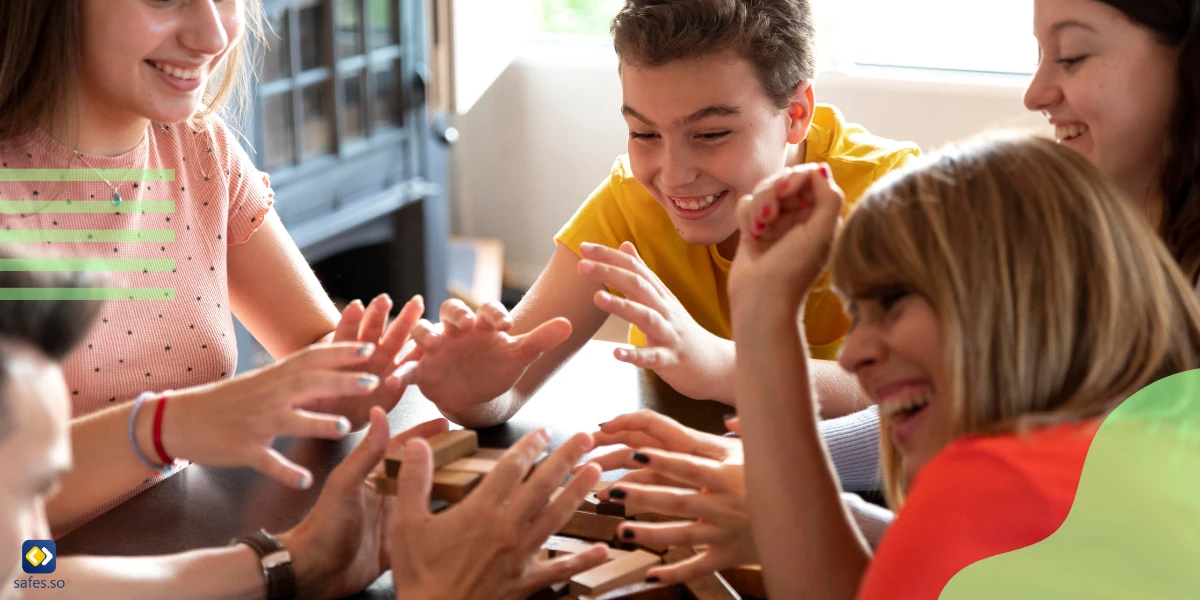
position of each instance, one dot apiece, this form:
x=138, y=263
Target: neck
x=98, y=129
x=1147, y=195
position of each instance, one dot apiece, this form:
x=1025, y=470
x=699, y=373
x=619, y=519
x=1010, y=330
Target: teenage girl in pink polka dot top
x=151, y=79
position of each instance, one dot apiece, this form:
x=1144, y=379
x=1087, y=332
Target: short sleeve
x=601, y=219
x=967, y=504
x=250, y=193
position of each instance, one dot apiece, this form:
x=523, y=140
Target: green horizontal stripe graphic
x=32, y=175
x=12, y=207
x=87, y=264
x=88, y=235
x=87, y=293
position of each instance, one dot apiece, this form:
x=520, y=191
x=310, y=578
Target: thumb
x=369, y=452
x=544, y=337
x=415, y=481
x=828, y=198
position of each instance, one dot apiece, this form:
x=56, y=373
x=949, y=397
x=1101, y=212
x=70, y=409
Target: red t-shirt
x=978, y=498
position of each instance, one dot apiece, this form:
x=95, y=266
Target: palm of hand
x=469, y=368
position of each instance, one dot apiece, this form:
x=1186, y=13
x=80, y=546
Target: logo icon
x=39, y=556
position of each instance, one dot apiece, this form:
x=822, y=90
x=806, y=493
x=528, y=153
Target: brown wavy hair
x=1057, y=300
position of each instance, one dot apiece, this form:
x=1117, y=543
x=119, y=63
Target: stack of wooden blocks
x=460, y=464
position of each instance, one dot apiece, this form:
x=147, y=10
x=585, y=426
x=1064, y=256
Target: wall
x=546, y=133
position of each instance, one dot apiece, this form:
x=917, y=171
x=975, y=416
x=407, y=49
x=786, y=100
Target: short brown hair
x=777, y=36
x=1056, y=298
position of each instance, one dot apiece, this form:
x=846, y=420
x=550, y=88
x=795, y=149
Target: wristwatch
x=276, y=564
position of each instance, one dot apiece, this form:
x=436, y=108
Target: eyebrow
x=1061, y=25
x=716, y=110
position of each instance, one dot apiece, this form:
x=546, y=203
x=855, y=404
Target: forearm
x=488, y=414
x=838, y=391
x=804, y=535
x=104, y=465
x=231, y=572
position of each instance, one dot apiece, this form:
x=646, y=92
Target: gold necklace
x=116, y=197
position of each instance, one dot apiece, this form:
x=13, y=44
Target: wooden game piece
x=612, y=509
x=385, y=485
x=626, y=570
x=471, y=464
x=592, y=527
x=550, y=592
x=453, y=486
x=641, y=591
x=656, y=518
x=447, y=447
x=490, y=453
x=746, y=580
x=708, y=587
x=557, y=544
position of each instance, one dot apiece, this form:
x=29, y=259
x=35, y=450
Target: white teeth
x=179, y=73
x=897, y=408
x=705, y=202
x=1068, y=132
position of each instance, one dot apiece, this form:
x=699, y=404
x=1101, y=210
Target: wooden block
x=453, y=486
x=746, y=580
x=471, y=464
x=551, y=592
x=612, y=509
x=557, y=544
x=656, y=518
x=592, y=527
x=447, y=448
x=641, y=591
x=385, y=485
x=490, y=453
x=590, y=503
x=614, y=574
x=709, y=587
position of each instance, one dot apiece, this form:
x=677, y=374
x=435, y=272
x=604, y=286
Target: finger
x=645, y=358
x=271, y=463
x=404, y=376
x=669, y=500
x=375, y=319
x=650, y=321
x=673, y=533
x=617, y=459
x=397, y=334
x=826, y=195
x=326, y=356
x=610, y=256
x=366, y=455
x=415, y=481
x=642, y=477
x=456, y=317
x=347, y=328
x=426, y=336
x=632, y=439
x=745, y=217
x=532, y=496
x=512, y=468
x=734, y=424
x=546, y=336
x=492, y=316
x=686, y=570
x=303, y=389
x=302, y=423
x=630, y=283
x=564, y=568
x=425, y=430
x=559, y=511
x=671, y=434
x=695, y=471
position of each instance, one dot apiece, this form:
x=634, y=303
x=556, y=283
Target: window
x=962, y=35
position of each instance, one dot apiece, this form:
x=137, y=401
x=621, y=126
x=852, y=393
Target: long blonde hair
x=40, y=59
x=1056, y=298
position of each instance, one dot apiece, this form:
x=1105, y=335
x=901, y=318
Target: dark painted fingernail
x=604, y=423
x=617, y=493
x=627, y=534
x=642, y=458
x=652, y=579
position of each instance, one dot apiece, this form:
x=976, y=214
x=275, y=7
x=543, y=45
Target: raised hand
x=687, y=356
x=471, y=358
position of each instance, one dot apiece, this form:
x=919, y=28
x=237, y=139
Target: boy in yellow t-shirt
x=717, y=96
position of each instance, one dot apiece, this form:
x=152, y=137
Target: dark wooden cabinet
x=340, y=123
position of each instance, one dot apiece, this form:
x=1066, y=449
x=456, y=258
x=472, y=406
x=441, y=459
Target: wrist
x=176, y=422
x=307, y=565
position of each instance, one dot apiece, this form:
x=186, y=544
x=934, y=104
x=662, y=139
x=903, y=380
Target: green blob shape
x=1134, y=528
x=37, y=175
x=66, y=207
x=87, y=264
x=87, y=293
x=87, y=235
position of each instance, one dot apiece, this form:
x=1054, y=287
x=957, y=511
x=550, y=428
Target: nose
x=678, y=167
x=1043, y=91
x=207, y=31
x=862, y=349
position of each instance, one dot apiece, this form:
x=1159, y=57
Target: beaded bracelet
x=137, y=405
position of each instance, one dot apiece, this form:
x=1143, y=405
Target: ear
x=800, y=109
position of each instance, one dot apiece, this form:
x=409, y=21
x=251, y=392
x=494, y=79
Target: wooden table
x=201, y=507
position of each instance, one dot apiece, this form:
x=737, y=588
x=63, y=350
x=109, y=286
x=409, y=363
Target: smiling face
x=894, y=348
x=35, y=449
x=702, y=133
x=153, y=59
x=1107, y=86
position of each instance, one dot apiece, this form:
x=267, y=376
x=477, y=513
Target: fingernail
x=653, y=579
x=367, y=381
x=412, y=451
x=758, y=227
x=729, y=417
x=544, y=434
x=586, y=246
x=622, y=353
x=617, y=493
x=366, y=349
x=358, y=302
x=604, y=423
x=627, y=534
x=824, y=170
x=642, y=458
x=343, y=425
x=586, y=266
x=766, y=213
x=305, y=481
x=782, y=187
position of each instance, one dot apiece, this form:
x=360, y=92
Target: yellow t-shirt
x=622, y=210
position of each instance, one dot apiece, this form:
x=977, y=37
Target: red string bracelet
x=157, y=431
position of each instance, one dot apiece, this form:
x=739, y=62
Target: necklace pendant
x=116, y=198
